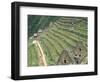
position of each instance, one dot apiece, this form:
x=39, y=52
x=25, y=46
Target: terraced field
x=63, y=40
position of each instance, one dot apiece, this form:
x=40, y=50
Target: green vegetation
x=58, y=33
x=32, y=55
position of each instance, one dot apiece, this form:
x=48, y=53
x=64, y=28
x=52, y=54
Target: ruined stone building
x=64, y=58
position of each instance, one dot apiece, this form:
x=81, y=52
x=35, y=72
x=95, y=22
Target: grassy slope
x=58, y=37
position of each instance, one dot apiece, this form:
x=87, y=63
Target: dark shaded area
x=39, y=22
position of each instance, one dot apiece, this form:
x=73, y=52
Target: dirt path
x=42, y=60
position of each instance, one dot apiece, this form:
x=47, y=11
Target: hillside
x=56, y=34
